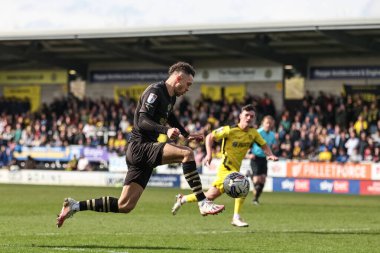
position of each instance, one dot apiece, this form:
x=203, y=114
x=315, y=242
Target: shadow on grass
x=332, y=232
x=168, y=248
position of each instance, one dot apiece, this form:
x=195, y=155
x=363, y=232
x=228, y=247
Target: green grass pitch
x=285, y=222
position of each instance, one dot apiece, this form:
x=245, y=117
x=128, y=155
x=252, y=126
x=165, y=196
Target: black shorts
x=142, y=158
x=259, y=166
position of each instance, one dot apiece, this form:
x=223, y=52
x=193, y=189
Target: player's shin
x=103, y=204
x=192, y=177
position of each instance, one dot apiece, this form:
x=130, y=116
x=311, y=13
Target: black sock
x=259, y=189
x=192, y=177
x=103, y=204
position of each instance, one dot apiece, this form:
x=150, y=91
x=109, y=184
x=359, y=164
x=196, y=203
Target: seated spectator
x=325, y=155
x=367, y=154
x=342, y=157
x=352, y=143
x=376, y=155
x=355, y=157
x=4, y=157
x=360, y=125
x=297, y=150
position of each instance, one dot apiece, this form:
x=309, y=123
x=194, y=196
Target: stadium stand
x=325, y=128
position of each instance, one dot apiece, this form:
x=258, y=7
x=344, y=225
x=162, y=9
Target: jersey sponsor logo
x=152, y=97
x=236, y=144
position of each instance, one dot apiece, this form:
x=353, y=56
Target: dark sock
x=259, y=189
x=192, y=177
x=103, y=204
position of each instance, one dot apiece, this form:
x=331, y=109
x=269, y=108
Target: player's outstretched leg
x=71, y=206
x=68, y=210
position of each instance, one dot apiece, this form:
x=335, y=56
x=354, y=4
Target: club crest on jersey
x=152, y=97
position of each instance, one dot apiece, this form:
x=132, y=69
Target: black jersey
x=156, y=105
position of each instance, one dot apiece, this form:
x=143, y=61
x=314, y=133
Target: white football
x=236, y=185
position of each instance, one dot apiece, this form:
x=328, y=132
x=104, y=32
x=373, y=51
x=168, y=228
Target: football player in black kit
x=154, y=110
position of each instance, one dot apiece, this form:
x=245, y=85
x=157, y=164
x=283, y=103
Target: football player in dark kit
x=144, y=152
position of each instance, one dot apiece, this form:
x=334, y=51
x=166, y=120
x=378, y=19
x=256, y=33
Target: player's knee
x=126, y=208
x=188, y=155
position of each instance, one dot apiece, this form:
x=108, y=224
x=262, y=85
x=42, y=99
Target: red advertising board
x=302, y=185
x=341, y=186
x=370, y=187
x=328, y=170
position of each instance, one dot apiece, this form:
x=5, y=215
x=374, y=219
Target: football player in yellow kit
x=236, y=141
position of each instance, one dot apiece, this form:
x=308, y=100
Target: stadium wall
x=283, y=176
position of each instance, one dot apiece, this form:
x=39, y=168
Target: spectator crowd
x=322, y=128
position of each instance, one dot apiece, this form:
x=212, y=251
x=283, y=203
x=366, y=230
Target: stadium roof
x=282, y=43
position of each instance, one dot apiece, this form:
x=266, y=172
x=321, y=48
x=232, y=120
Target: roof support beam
x=135, y=52
x=344, y=38
x=262, y=51
x=33, y=55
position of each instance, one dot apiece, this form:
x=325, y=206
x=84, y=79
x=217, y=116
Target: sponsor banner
x=348, y=72
x=44, y=153
x=295, y=88
x=53, y=177
x=251, y=74
x=359, y=171
x=33, y=77
x=375, y=171
x=368, y=93
x=162, y=180
x=117, y=163
x=334, y=186
x=78, y=88
x=276, y=169
x=78, y=178
x=132, y=91
x=268, y=187
x=32, y=93
x=235, y=93
x=316, y=185
x=370, y=187
x=213, y=92
x=127, y=75
x=283, y=184
x=95, y=154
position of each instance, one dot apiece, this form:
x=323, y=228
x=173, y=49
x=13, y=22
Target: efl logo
x=302, y=185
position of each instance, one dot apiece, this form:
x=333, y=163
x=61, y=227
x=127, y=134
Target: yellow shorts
x=220, y=176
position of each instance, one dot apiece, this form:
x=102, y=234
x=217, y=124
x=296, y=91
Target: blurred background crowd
x=324, y=128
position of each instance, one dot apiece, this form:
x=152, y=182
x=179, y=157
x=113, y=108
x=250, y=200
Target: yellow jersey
x=235, y=144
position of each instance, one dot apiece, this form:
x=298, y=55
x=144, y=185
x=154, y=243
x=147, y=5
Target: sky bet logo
x=326, y=186
x=287, y=185
x=335, y=186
